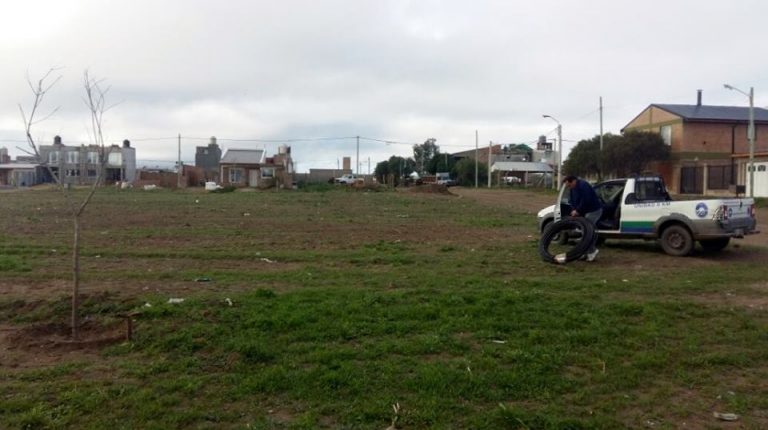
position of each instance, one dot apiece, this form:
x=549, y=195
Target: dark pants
x=594, y=217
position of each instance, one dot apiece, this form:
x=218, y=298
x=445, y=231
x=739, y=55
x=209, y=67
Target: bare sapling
x=95, y=100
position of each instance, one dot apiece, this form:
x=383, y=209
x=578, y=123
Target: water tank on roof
x=283, y=149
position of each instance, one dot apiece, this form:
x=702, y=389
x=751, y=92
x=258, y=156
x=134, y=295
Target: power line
x=310, y=139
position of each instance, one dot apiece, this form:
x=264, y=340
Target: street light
x=559, y=148
x=750, y=135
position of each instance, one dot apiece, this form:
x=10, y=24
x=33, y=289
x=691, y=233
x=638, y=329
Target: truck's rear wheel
x=677, y=240
x=714, y=245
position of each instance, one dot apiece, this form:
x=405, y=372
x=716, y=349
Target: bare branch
x=53, y=112
x=25, y=151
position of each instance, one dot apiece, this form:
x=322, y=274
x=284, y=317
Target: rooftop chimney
x=698, y=98
x=57, y=140
x=126, y=143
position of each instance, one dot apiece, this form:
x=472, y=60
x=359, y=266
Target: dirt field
x=445, y=287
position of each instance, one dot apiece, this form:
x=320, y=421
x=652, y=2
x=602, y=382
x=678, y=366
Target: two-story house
x=81, y=165
x=709, y=149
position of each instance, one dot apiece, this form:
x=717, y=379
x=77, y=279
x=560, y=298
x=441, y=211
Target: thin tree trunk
x=76, y=279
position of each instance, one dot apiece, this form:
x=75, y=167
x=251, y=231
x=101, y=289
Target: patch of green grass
x=13, y=263
x=372, y=299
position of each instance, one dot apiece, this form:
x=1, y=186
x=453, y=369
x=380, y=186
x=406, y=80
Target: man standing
x=585, y=202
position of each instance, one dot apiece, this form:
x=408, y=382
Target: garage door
x=761, y=179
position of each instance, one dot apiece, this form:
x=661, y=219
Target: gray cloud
x=399, y=70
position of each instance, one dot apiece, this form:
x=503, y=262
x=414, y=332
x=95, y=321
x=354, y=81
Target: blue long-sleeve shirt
x=583, y=198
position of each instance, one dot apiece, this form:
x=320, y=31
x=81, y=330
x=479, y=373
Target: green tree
x=381, y=171
x=585, y=158
x=622, y=155
x=424, y=153
x=441, y=163
x=394, y=169
x=643, y=148
x=465, y=172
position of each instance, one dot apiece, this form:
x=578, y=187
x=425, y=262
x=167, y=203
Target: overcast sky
x=394, y=70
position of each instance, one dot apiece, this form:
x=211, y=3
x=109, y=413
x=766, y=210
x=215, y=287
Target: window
x=91, y=173
x=650, y=191
x=53, y=157
x=115, y=159
x=267, y=172
x=718, y=177
x=666, y=134
x=610, y=192
x=235, y=176
x=72, y=172
x=72, y=157
x=761, y=168
x=93, y=157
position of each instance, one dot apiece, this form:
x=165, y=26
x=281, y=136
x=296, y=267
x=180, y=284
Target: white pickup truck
x=348, y=179
x=640, y=208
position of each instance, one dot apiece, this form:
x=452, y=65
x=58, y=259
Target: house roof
x=482, y=152
x=18, y=166
x=706, y=113
x=243, y=156
x=520, y=166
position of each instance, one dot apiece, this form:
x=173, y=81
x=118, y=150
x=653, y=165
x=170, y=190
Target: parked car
x=641, y=208
x=444, y=178
x=512, y=180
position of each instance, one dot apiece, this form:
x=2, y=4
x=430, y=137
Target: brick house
x=251, y=168
x=709, y=149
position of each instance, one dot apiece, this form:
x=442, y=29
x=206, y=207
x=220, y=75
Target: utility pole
x=600, y=156
x=369, y=166
x=751, y=133
x=490, y=143
x=476, y=160
x=559, y=153
x=358, y=155
x=178, y=170
x=750, y=136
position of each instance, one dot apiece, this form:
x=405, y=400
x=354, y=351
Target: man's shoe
x=592, y=255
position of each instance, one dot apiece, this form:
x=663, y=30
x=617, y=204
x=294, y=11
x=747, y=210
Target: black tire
x=559, y=228
x=676, y=240
x=715, y=245
x=561, y=238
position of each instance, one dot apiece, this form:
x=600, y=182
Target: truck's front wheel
x=677, y=240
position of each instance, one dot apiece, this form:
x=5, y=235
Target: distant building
x=81, y=165
x=20, y=174
x=482, y=153
x=208, y=158
x=251, y=168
